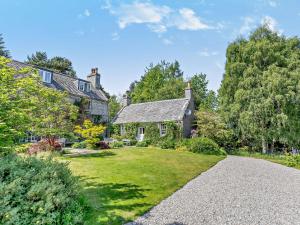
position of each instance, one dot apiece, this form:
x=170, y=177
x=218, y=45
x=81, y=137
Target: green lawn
x=120, y=185
x=275, y=158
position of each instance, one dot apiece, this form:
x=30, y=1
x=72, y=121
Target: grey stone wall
x=99, y=108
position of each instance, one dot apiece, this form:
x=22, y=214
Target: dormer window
x=81, y=85
x=46, y=76
x=84, y=86
x=87, y=87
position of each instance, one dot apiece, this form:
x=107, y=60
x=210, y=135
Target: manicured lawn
x=120, y=185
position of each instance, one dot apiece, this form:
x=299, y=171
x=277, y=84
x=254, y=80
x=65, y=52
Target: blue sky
x=121, y=38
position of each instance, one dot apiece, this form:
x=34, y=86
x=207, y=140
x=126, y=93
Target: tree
x=211, y=125
x=260, y=92
x=3, y=51
x=57, y=64
x=114, y=106
x=17, y=100
x=28, y=105
x=90, y=132
x=199, y=86
x=161, y=81
x=55, y=116
x=210, y=102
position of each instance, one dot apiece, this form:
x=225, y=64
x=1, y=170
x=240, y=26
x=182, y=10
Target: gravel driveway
x=236, y=191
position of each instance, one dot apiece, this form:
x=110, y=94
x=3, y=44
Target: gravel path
x=240, y=191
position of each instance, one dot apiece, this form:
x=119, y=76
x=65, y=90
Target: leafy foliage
x=211, y=125
x=90, y=132
x=3, y=51
x=142, y=144
x=260, y=92
x=35, y=191
x=28, y=105
x=57, y=63
x=79, y=145
x=117, y=144
x=205, y=146
x=114, y=106
x=161, y=81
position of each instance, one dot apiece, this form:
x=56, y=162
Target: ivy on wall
x=152, y=132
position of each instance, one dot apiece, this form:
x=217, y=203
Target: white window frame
x=46, y=76
x=162, y=129
x=81, y=85
x=122, y=129
x=87, y=87
x=141, y=129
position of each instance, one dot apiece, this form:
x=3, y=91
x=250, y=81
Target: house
x=179, y=110
x=85, y=93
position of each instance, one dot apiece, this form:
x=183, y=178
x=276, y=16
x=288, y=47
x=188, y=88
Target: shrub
x=292, y=160
x=36, y=191
x=182, y=149
x=117, y=144
x=79, y=145
x=142, y=144
x=23, y=148
x=167, y=144
x=91, y=132
x=205, y=146
x=133, y=142
x=41, y=146
x=102, y=145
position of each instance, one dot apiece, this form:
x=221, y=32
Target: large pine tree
x=58, y=64
x=3, y=51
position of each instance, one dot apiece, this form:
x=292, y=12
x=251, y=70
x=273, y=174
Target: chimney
x=94, y=78
x=126, y=101
x=188, y=91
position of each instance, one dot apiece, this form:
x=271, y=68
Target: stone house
x=179, y=110
x=85, y=93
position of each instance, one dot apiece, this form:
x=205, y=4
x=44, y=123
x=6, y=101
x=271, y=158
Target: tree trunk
x=272, y=146
x=264, y=146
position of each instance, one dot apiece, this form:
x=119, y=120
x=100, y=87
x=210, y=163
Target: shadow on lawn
x=105, y=199
x=101, y=154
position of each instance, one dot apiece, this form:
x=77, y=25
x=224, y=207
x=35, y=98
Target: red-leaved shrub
x=102, y=145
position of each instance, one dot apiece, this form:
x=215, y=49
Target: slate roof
x=159, y=111
x=66, y=83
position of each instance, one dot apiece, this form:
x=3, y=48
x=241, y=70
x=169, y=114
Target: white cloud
x=167, y=41
x=207, y=53
x=158, y=18
x=271, y=23
x=248, y=25
x=115, y=36
x=158, y=28
x=272, y=3
x=141, y=13
x=188, y=20
x=86, y=12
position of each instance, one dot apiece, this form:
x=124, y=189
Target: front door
x=141, y=132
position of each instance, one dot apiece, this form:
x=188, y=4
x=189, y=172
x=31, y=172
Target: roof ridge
x=166, y=100
x=43, y=68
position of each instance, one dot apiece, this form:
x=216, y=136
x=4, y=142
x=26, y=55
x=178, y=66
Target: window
x=122, y=129
x=163, y=129
x=87, y=87
x=141, y=130
x=84, y=86
x=46, y=76
x=81, y=85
